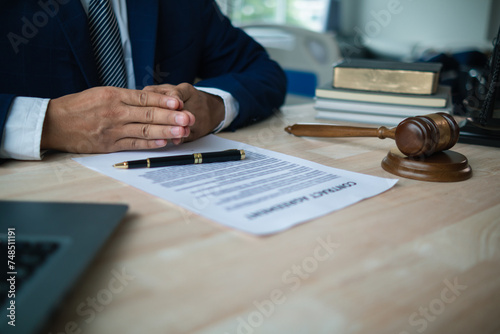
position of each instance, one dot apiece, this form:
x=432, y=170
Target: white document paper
x=266, y=193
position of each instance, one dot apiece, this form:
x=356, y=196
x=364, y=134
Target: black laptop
x=45, y=247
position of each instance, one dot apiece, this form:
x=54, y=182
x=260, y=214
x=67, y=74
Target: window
x=309, y=14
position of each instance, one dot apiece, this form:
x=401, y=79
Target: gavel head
x=425, y=135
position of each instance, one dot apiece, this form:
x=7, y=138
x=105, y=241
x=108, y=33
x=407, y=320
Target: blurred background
x=308, y=36
x=412, y=26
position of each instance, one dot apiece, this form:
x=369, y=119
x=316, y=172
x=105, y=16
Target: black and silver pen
x=188, y=159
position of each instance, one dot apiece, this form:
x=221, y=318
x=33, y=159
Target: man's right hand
x=110, y=119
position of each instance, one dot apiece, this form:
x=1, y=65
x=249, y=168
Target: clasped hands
x=110, y=119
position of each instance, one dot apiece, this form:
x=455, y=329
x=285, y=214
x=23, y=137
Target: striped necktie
x=106, y=41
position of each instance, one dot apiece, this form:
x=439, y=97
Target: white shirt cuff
x=231, y=106
x=23, y=129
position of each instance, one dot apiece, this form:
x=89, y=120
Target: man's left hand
x=208, y=109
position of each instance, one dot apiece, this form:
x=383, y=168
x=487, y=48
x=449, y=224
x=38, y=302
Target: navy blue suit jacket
x=45, y=51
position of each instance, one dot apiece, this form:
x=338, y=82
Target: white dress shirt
x=23, y=128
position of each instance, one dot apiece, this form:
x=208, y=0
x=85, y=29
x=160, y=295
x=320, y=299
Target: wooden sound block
x=445, y=166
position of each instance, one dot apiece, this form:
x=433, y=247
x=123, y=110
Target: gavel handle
x=324, y=130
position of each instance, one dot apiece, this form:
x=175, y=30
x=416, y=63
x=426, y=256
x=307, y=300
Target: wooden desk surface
x=420, y=258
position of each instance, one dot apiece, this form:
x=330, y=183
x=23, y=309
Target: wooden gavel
x=414, y=136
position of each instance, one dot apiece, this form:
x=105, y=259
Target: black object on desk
x=188, y=159
x=483, y=122
x=48, y=246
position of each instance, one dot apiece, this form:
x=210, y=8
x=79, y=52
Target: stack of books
x=382, y=92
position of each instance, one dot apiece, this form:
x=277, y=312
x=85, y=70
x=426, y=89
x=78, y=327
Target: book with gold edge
x=387, y=76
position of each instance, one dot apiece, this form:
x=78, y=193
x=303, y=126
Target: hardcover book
x=387, y=76
x=378, y=108
x=437, y=100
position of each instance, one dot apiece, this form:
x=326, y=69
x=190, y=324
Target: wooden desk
x=422, y=257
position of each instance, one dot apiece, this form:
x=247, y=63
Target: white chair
x=306, y=56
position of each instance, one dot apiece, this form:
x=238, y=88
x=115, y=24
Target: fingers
x=112, y=119
x=149, y=123
x=154, y=116
x=153, y=131
x=126, y=144
x=176, y=102
x=143, y=98
x=177, y=141
x=181, y=92
x=154, y=107
x=159, y=116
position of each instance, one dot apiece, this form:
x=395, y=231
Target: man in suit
x=51, y=94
